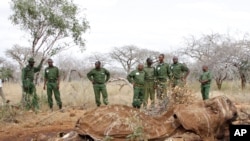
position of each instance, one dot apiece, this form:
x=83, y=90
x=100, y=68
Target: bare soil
x=29, y=126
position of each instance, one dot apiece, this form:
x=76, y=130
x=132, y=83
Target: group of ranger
x=51, y=82
x=148, y=79
x=145, y=80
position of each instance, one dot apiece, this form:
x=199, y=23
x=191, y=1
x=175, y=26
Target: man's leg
x=203, y=92
x=136, y=99
x=146, y=94
x=141, y=96
x=206, y=92
x=97, y=94
x=49, y=94
x=104, y=94
x=152, y=94
x=57, y=95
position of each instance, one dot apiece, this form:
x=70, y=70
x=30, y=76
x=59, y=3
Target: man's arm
x=209, y=78
x=58, y=78
x=185, y=69
x=130, y=78
x=89, y=75
x=107, y=75
x=38, y=68
x=45, y=79
x=168, y=71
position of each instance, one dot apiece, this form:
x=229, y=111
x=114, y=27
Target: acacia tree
x=52, y=25
x=21, y=54
x=130, y=55
x=225, y=55
x=126, y=56
x=207, y=50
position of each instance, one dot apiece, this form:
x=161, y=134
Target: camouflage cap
x=31, y=60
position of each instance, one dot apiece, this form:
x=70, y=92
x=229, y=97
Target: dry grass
x=74, y=93
x=80, y=93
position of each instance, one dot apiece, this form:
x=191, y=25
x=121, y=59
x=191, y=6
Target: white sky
x=158, y=25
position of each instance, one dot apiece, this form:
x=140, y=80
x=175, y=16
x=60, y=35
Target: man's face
x=149, y=62
x=140, y=67
x=204, y=68
x=175, y=60
x=161, y=58
x=50, y=63
x=97, y=65
x=31, y=64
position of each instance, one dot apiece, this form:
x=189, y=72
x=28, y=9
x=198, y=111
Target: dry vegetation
x=78, y=96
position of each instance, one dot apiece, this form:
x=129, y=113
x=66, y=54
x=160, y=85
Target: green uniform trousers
x=205, y=91
x=177, y=82
x=149, y=93
x=161, y=90
x=98, y=89
x=138, y=96
x=30, y=96
x=52, y=87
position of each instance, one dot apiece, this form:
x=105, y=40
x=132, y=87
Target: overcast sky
x=158, y=25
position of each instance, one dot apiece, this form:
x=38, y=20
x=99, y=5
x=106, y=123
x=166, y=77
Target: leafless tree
x=130, y=55
x=222, y=53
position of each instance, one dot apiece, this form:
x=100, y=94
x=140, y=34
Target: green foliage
x=8, y=113
x=138, y=135
x=49, y=21
x=6, y=73
x=108, y=138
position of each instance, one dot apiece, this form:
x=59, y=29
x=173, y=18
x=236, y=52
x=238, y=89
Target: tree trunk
x=218, y=83
x=243, y=81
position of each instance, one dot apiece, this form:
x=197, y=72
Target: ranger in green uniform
x=179, y=73
x=149, y=83
x=205, y=80
x=29, y=89
x=52, y=79
x=162, y=73
x=136, y=78
x=99, y=76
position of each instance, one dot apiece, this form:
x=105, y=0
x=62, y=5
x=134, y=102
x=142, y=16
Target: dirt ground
x=29, y=126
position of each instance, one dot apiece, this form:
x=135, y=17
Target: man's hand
x=44, y=87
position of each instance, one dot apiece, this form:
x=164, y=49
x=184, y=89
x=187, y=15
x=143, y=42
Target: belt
x=97, y=83
x=162, y=79
x=139, y=85
x=52, y=81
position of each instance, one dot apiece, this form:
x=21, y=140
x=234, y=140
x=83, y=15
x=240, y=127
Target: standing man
x=136, y=78
x=149, y=83
x=205, y=80
x=162, y=72
x=30, y=96
x=99, y=76
x=1, y=91
x=179, y=73
x=52, y=79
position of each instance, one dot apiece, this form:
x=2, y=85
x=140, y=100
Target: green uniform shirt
x=149, y=73
x=177, y=70
x=99, y=76
x=136, y=77
x=206, y=76
x=162, y=71
x=28, y=72
x=51, y=73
